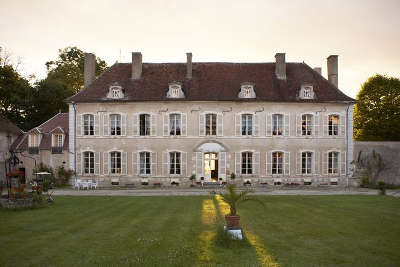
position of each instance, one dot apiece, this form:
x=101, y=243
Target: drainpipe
x=347, y=144
x=73, y=105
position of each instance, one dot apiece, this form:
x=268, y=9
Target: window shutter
x=106, y=163
x=238, y=160
x=79, y=163
x=166, y=124
x=238, y=125
x=153, y=163
x=325, y=125
x=135, y=124
x=123, y=124
x=286, y=124
x=256, y=163
x=202, y=124
x=184, y=163
x=268, y=162
x=342, y=162
x=106, y=128
x=298, y=163
x=316, y=128
x=342, y=124
x=96, y=118
x=315, y=162
x=53, y=136
x=286, y=163
x=153, y=127
x=222, y=165
x=97, y=163
x=220, y=124
x=124, y=167
x=183, y=124
x=256, y=131
x=79, y=124
x=165, y=162
x=268, y=123
x=199, y=165
x=135, y=167
x=298, y=125
x=325, y=163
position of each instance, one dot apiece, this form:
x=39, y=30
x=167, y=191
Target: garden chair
x=95, y=183
x=77, y=184
x=85, y=184
x=90, y=184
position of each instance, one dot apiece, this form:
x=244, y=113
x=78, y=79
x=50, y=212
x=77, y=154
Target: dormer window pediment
x=115, y=92
x=247, y=91
x=307, y=92
x=175, y=90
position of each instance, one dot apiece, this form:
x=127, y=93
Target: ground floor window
x=277, y=162
x=145, y=163
x=333, y=162
x=174, y=163
x=247, y=162
x=306, y=162
x=115, y=162
x=88, y=158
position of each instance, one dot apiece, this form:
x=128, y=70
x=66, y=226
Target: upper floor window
x=115, y=92
x=88, y=124
x=211, y=124
x=333, y=162
x=88, y=161
x=115, y=124
x=247, y=91
x=175, y=91
x=277, y=162
x=144, y=124
x=115, y=164
x=333, y=124
x=145, y=163
x=277, y=120
x=33, y=143
x=306, y=92
x=306, y=124
x=175, y=124
x=174, y=163
x=247, y=163
x=306, y=162
x=247, y=124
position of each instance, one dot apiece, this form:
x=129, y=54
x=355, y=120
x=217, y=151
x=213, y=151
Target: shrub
x=382, y=187
x=233, y=176
x=63, y=176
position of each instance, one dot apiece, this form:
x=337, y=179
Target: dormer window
x=306, y=92
x=115, y=92
x=247, y=91
x=175, y=91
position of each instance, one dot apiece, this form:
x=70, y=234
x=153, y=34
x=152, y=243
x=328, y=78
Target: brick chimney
x=280, y=66
x=136, y=65
x=189, y=67
x=318, y=70
x=89, y=69
x=332, y=62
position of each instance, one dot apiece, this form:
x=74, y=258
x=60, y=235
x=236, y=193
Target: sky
x=364, y=33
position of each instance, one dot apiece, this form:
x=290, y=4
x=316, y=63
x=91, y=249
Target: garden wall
x=390, y=152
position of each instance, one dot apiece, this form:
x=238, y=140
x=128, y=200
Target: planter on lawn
x=232, y=221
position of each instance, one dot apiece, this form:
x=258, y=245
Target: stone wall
x=390, y=151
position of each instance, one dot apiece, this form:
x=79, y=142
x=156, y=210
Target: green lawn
x=174, y=231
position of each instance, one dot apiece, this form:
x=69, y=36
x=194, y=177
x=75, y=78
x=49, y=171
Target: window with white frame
x=115, y=160
x=333, y=124
x=115, y=124
x=306, y=162
x=175, y=124
x=175, y=91
x=277, y=162
x=144, y=124
x=333, y=162
x=211, y=124
x=57, y=140
x=88, y=124
x=144, y=162
x=247, y=91
x=34, y=140
x=306, y=92
x=247, y=163
x=306, y=124
x=116, y=93
x=174, y=163
x=88, y=162
x=277, y=124
x=247, y=124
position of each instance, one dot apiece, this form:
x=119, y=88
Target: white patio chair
x=77, y=183
x=95, y=183
x=90, y=184
x=85, y=184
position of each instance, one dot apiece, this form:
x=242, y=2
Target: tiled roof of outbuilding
x=9, y=127
x=211, y=82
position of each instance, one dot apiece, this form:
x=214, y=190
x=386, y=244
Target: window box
x=56, y=150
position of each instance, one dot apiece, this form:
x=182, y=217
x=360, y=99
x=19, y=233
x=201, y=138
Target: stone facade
x=8, y=134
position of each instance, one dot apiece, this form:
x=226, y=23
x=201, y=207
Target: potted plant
x=233, y=199
x=192, y=178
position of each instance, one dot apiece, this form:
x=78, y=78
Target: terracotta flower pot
x=232, y=221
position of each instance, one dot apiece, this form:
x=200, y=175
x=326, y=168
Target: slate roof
x=211, y=82
x=9, y=127
x=54, y=125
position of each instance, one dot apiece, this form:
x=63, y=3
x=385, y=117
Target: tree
x=377, y=113
x=69, y=66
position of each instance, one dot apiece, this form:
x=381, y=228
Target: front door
x=211, y=167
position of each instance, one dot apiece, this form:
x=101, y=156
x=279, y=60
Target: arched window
x=88, y=162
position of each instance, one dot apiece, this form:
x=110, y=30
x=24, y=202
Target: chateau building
x=164, y=122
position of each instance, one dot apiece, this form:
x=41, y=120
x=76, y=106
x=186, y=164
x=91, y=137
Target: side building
x=165, y=122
